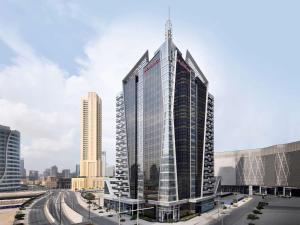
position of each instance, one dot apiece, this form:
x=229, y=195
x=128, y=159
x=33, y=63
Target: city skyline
x=253, y=66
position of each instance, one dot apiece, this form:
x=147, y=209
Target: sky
x=52, y=52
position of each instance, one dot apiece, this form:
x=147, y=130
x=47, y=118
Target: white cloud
x=42, y=100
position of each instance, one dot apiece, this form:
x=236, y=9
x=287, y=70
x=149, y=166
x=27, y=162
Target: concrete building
x=274, y=169
x=64, y=183
x=33, y=175
x=90, y=142
x=50, y=182
x=165, y=135
x=91, y=136
x=66, y=173
x=77, y=170
x=54, y=171
x=47, y=172
x=9, y=159
x=110, y=171
x=103, y=159
x=22, y=169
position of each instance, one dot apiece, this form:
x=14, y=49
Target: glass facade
x=152, y=127
x=169, y=132
x=182, y=127
x=9, y=159
x=201, y=90
x=130, y=89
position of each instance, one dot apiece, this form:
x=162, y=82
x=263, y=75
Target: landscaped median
x=72, y=215
x=48, y=215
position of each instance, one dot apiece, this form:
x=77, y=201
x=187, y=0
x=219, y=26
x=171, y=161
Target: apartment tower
x=90, y=143
x=91, y=136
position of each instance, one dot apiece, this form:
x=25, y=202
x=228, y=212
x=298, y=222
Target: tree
x=89, y=196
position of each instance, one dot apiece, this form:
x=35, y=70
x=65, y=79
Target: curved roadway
x=36, y=214
x=71, y=200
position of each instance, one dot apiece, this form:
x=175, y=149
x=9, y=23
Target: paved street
x=36, y=214
x=280, y=211
x=54, y=208
x=234, y=217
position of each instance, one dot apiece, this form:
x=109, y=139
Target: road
x=71, y=201
x=234, y=217
x=36, y=214
x=54, y=208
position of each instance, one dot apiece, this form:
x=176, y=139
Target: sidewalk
x=204, y=219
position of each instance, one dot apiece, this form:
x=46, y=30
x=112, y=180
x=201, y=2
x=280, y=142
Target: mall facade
x=271, y=170
x=165, y=136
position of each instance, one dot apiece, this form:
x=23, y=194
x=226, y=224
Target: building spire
x=168, y=26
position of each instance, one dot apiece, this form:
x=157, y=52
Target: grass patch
x=188, y=217
x=149, y=219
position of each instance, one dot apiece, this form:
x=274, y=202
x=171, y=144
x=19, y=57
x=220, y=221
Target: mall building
x=271, y=170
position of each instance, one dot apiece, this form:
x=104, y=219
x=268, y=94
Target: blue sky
x=52, y=52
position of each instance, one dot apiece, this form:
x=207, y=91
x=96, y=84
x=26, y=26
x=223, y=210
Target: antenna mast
x=168, y=27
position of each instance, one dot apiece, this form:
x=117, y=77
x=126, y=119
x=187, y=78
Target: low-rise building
x=274, y=169
x=80, y=183
x=50, y=182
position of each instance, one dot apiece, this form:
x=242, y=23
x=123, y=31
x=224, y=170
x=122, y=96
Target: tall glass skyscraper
x=9, y=159
x=165, y=134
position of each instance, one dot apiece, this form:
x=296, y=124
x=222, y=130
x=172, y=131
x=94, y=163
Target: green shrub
x=255, y=211
x=186, y=218
x=149, y=219
x=252, y=217
x=133, y=217
x=19, y=216
x=89, y=196
x=261, y=205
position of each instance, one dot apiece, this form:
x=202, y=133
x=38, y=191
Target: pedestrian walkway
x=204, y=219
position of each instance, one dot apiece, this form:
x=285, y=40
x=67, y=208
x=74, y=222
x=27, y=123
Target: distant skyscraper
x=103, y=163
x=54, y=171
x=22, y=169
x=47, y=172
x=9, y=159
x=33, y=175
x=77, y=171
x=66, y=173
x=91, y=136
x=165, y=134
x=90, y=143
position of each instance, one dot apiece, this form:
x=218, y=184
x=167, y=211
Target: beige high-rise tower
x=90, y=143
x=91, y=136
